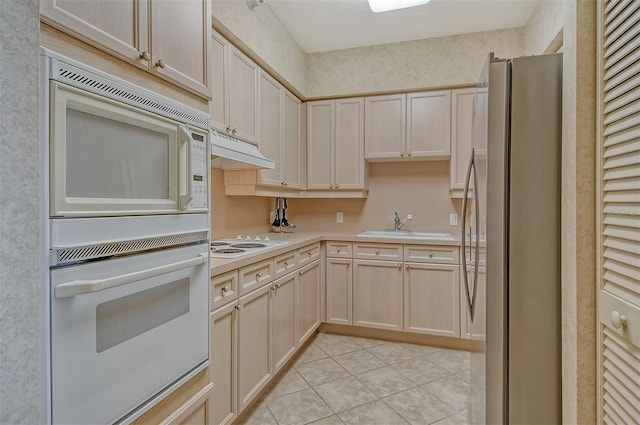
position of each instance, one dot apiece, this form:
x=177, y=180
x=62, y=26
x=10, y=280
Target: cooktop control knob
x=266, y=238
x=239, y=237
x=257, y=238
x=248, y=238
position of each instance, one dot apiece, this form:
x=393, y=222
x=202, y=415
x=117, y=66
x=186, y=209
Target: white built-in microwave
x=110, y=156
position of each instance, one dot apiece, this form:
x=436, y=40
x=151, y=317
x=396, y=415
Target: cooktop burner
x=220, y=243
x=248, y=245
x=228, y=251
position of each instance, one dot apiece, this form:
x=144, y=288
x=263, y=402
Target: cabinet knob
x=310, y=253
x=161, y=63
x=330, y=186
x=237, y=307
x=349, y=263
x=300, y=273
x=225, y=289
x=337, y=186
x=430, y=254
x=401, y=153
x=286, y=184
x=406, y=266
x=409, y=154
x=258, y=276
x=339, y=249
x=234, y=131
x=228, y=129
x=399, y=266
x=273, y=288
x=286, y=264
x=377, y=251
x=145, y=56
x=618, y=320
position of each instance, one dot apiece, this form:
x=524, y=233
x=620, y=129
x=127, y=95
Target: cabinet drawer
x=285, y=263
x=255, y=275
x=339, y=249
x=224, y=289
x=431, y=254
x=372, y=251
x=308, y=254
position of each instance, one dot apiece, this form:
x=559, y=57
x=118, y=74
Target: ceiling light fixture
x=378, y=6
x=254, y=3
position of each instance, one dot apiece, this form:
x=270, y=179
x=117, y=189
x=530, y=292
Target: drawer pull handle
x=618, y=320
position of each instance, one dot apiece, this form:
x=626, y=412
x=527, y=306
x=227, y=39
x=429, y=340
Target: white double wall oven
x=126, y=299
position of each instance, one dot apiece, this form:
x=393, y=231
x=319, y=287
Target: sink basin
x=406, y=234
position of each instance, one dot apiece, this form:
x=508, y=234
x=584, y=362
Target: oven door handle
x=80, y=287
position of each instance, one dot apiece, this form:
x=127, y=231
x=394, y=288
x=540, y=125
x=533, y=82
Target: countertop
x=301, y=239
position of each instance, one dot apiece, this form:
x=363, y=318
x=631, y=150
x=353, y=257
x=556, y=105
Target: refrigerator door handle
x=471, y=299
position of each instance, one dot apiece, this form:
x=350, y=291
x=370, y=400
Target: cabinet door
x=477, y=328
x=308, y=301
x=320, y=142
x=271, y=129
x=377, y=294
x=432, y=299
x=385, y=126
x=462, y=102
x=243, y=96
x=119, y=27
x=224, y=337
x=179, y=40
x=196, y=411
x=283, y=335
x=348, y=160
x=254, y=367
x=339, y=287
x=429, y=124
x=219, y=64
x=291, y=160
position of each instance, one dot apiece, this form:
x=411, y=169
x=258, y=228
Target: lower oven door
x=123, y=330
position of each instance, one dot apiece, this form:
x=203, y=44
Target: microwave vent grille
x=110, y=249
x=129, y=94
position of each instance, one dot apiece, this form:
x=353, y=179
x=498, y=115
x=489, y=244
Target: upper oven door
x=110, y=159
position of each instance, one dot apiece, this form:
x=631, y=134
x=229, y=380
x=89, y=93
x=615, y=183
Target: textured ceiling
x=324, y=25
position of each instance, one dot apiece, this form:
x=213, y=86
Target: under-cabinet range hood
x=230, y=153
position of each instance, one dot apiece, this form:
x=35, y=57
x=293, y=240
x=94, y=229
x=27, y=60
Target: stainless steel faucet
x=399, y=223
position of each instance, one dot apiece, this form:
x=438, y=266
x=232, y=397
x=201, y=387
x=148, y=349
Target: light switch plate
x=453, y=219
x=339, y=217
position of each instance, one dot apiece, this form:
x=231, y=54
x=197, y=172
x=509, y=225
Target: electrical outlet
x=339, y=217
x=453, y=219
x=272, y=216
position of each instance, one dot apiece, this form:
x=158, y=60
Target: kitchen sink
x=407, y=234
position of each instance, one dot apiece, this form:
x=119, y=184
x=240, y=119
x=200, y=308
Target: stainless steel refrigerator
x=511, y=208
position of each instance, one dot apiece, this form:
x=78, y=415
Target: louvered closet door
x=619, y=170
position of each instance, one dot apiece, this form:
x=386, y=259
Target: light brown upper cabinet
x=234, y=109
x=413, y=126
x=335, y=145
x=168, y=39
x=279, y=134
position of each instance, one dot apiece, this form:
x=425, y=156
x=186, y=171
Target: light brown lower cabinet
x=196, y=411
x=308, y=301
x=283, y=323
x=473, y=329
x=378, y=294
x=254, y=345
x=432, y=299
x=224, y=338
x=339, y=291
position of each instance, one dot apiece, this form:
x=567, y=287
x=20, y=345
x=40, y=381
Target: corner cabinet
x=412, y=126
x=168, y=39
x=335, y=145
x=234, y=109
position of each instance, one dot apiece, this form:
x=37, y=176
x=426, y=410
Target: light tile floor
x=348, y=380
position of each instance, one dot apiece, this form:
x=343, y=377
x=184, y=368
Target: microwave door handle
x=80, y=287
x=185, y=165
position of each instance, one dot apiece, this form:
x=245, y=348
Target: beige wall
x=420, y=188
x=443, y=61
x=263, y=35
x=578, y=201
x=544, y=25
x=234, y=215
